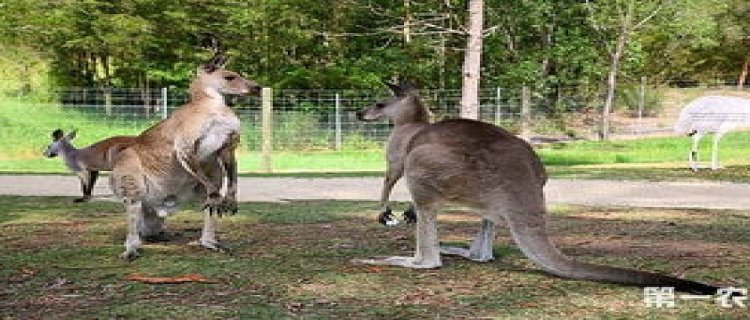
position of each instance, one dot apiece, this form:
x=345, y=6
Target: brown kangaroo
x=481, y=166
x=183, y=157
x=87, y=162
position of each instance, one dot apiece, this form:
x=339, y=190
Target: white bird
x=711, y=114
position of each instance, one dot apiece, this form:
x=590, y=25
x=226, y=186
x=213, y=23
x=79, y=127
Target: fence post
x=164, y=103
x=525, y=113
x=338, y=121
x=641, y=104
x=497, y=106
x=267, y=130
x=108, y=101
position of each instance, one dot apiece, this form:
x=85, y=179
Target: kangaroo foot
x=214, y=245
x=130, y=255
x=407, y=262
x=466, y=253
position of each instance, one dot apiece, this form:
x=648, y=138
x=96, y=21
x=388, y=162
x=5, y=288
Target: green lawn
x=292, y=260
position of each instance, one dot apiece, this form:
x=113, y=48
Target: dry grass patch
x=293, y=261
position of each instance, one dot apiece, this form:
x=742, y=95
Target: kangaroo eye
x=230, y=78
x=380, y=106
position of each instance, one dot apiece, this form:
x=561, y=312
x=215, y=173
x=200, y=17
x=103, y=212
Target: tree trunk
x=472, y=62
x=107, y=85
x=743, y=73
x=614, y=66
x=407, y=21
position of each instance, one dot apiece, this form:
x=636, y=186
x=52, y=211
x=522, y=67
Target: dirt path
x=559, y=191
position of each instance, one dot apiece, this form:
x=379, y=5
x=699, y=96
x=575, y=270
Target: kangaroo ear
x=217, y=62
x=71, y=135
x=57, y=134
x=220, y=59
x=396, y=89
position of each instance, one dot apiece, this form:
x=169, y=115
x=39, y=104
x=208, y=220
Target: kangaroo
x=86, y=162
x=405, y=126
x=183, y=157
x=481, y=166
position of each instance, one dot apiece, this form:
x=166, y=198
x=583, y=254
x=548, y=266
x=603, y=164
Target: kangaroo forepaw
x=410, y=216
x=84, y=199
x=214, y=204
x=386, y=218
x=229, y=206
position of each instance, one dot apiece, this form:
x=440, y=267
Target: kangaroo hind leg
x=128, y=184
x=427, y=253
x=134, y=211
x=481, y=247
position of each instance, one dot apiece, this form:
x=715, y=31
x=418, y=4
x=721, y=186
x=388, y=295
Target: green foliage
x=300, y=131
x=353, y=44
x=23, y=72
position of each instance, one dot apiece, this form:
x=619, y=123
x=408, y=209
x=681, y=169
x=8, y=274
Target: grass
x=664, y=151
x=292, y=260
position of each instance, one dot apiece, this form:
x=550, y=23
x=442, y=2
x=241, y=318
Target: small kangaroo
x=183, y=157
x=86, y=162
x=481, y=166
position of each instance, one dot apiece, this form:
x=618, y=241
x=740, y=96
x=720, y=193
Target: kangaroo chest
x=216, y=133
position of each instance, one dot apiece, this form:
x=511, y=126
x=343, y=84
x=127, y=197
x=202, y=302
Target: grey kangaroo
x=481, y=166
x=87, y=162
x=183, y=157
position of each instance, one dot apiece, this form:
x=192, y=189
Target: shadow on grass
x=293, y=260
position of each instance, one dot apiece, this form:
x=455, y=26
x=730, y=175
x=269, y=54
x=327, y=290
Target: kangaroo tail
x=531, y=237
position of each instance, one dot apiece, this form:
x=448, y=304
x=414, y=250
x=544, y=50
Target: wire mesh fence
x=317, y=130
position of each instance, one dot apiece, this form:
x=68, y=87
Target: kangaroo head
x=58, y=139
x=212, y=77
x=403, y=103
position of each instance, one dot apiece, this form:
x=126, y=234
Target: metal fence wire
x=302, y=119
x=324, y=121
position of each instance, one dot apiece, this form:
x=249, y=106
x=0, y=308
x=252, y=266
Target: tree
x=688, y=36
x=737, y=37
x=472, y=61
x=617, y=21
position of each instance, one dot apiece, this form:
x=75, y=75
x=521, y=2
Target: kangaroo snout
x=251, y=88
x=256, y=89
x=368, y=115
